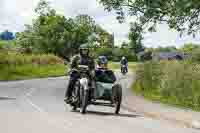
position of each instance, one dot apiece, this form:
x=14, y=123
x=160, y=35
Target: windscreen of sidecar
x=105, y=76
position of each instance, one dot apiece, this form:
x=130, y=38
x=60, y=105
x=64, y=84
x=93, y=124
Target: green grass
x=19, y=66
x=156, y=97
x=31, y=71
x=28, y=71
x=16, y=58
x=7, y=44
x=172, y=83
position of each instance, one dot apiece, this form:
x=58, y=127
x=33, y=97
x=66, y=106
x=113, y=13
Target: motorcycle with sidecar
x=104, y=93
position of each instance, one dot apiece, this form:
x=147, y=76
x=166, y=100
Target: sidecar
x=110, y=94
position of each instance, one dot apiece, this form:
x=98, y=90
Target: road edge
x=192, y=123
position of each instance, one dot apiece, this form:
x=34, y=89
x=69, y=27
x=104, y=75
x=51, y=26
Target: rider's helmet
x=84, y=50
x=123, y=58
x=102, y=61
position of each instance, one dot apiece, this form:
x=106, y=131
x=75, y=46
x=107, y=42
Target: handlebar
x=79, y=69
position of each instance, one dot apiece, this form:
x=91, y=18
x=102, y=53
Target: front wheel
x=123, y=70
x=117, y=97
x=75, y=96
x=84, y=100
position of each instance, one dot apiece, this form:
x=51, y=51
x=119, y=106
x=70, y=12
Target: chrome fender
x=84, y=83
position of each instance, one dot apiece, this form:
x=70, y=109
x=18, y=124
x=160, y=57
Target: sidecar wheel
x=117, y=97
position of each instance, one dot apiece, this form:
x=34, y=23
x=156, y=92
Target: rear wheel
x=117, y=97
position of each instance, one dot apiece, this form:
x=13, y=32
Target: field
x=17, y=66
x=172, y=82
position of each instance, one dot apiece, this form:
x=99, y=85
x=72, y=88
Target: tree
x=26, y=39
x=124, y=45
x=166, y=49
x=44, y=9
x=188, y=48
x=105, y=39
x=49, y=33
x=54, y=33
x=182, y=15
x=85, y=29
x=135, y=37
x=105, y=52
x=118, y=53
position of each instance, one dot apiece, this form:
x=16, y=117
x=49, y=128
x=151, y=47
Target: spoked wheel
x=117, y=97
x=84, y=96
x=75, y=96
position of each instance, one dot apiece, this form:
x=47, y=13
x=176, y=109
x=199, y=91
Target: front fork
x=85, y=84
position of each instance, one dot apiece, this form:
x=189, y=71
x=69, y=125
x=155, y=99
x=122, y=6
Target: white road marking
x=34, y=105
x=30, y=92
x=39, y=109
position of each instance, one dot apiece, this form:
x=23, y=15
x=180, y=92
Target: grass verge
x=172, y=83
x=29, y=71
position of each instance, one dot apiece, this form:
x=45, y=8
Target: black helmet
x=84, y=47
x=102, y=60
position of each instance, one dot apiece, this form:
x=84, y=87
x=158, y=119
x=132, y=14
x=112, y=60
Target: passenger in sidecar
x=102, y=73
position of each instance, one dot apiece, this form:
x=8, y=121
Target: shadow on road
x=110, y=114
x=7, y=98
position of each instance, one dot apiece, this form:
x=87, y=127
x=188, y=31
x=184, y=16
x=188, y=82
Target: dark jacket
x=106, y=76
x=81, y=60
x=124, y=61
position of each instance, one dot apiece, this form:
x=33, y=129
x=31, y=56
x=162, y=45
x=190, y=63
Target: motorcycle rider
x=82, y=59
x=124, y=61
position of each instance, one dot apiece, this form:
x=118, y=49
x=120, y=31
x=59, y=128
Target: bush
x=146, y=56
x=170, y=82
x=14, y=58
x=14, y=66
x=103, y=51
x=115, y=54
x=7, y=44
x=196, y=55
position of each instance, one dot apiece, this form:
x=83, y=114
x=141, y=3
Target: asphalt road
x=36, y=106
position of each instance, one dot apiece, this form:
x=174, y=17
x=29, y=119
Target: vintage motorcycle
x=106, y=94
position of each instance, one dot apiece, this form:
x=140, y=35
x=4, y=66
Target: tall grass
x=170, y=82
x=15, y=58
x=28, y=71
x=15, y=66
x=7, y=44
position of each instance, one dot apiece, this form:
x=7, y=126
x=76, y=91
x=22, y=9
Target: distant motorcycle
x=124, y=69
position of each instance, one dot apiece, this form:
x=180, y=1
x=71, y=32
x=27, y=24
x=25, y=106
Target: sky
x=15, y=13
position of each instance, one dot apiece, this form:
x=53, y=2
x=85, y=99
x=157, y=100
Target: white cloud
x=15, y=13
x=166, y=37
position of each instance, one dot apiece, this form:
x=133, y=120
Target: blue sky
x=15, y=13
